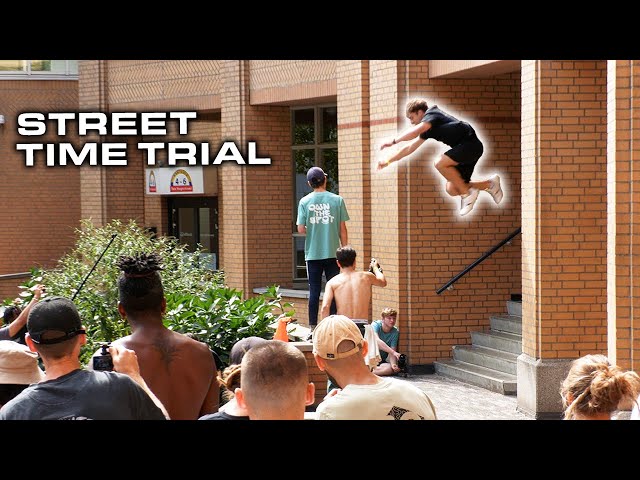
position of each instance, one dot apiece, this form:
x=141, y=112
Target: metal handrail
x=12, y=276
x=484, y=256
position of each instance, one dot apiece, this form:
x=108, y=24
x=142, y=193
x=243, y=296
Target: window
x=314, y=139
x=39, y=69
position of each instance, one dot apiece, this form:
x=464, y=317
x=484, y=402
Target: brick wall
x=564, y=208
x=354, y=154
x=429, y=243
x=623, y=223
x=255, y=201
x=291, y=81
x=164, y=84
x=35, y=230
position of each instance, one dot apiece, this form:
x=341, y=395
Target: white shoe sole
x=497, y=195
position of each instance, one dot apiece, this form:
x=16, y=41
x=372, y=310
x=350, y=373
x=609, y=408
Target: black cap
x=316, y=176
x=54, y=320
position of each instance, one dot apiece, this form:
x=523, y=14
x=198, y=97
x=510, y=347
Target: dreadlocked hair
x=139, y=285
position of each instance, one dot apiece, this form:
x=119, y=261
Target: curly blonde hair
x=594, y=386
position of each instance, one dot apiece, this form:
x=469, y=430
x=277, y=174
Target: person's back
x=351, y=289
x=339, y=349
x=180, y=370
x=352, y=293
x=83, y=395
x=177, y=369
x=389, y=399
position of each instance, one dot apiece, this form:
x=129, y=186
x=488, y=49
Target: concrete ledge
x=539, y=384
x=288, y=292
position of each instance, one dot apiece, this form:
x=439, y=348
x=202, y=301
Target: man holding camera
x=70, y=393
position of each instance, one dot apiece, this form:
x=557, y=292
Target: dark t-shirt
x=83, y=395
x=445, y=128
x=4, y=333
x=222, y=416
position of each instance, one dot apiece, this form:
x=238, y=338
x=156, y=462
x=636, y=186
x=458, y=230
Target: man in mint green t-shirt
x=322, y=217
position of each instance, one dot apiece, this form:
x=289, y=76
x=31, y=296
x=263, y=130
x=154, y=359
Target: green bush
x=198, y=303
x=220, y=317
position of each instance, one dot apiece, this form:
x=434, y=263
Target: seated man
x=388, y=336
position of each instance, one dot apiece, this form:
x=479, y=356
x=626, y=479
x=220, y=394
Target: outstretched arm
x=409, y=134
x=408, y=150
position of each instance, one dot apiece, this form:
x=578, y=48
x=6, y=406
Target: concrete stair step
x=514, y=308
x=499, y=382
x=506, y=323
x=507, y=342
x=486, y=357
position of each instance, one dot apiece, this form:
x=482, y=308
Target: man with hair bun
x=181, y=371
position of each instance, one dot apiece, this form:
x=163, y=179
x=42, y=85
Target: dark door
x=194, y=221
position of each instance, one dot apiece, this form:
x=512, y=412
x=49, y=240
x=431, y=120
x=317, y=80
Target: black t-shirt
x=83, y=395
x=445, y=128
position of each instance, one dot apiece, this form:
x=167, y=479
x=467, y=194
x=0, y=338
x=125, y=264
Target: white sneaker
x=467, y=202
x=494, y=189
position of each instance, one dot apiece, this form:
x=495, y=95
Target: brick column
x=386, y=188
x=93, y=97
x=564, y=225
x=623, y=219
x=355, y=156
x=255, y=216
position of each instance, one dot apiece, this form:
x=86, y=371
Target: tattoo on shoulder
x=168, y=351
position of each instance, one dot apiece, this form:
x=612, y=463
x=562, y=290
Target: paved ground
x=455, y=400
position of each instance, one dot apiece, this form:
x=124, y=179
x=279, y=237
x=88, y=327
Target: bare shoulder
x=195, y=346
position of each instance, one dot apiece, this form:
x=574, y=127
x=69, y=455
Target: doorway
x=194, y=221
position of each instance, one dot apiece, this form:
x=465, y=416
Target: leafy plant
x=220, y=317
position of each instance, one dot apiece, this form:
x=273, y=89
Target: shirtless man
x=350, y=289
x=180, y=370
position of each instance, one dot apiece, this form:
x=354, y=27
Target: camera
x=103, y=362
x=402, y=364
x=373, y=260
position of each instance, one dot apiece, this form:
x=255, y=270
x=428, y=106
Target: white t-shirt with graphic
x=389, y=399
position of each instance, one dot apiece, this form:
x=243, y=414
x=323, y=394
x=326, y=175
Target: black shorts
x=467, y=155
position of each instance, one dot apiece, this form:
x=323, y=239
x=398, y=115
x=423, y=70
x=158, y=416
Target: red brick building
x=560, y=133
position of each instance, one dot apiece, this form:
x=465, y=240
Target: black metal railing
x=484, y=256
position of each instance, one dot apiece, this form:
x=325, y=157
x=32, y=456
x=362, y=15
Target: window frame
x=28, y=74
